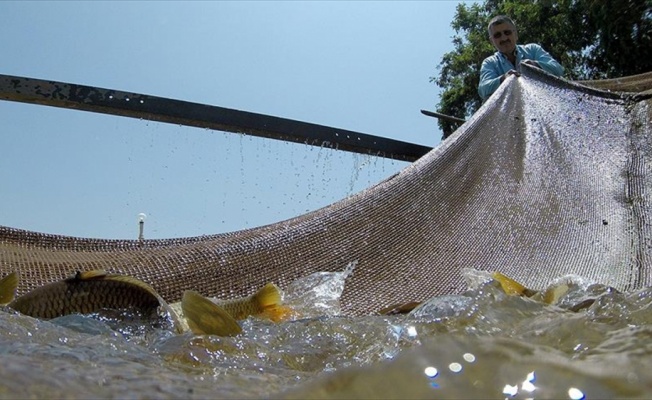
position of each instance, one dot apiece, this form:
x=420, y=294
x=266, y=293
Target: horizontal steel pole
x=135, y=105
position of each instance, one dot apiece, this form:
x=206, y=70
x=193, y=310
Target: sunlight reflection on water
x=493, y=346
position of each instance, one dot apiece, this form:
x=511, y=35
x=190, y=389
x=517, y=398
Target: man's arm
x=490, y=78
x=545, y=60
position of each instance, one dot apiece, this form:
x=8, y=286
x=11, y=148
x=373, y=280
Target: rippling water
x=482, y=344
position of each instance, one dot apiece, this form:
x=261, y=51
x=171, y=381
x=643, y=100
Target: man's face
x=503, y=37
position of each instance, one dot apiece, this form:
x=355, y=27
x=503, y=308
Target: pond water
x=592, y=342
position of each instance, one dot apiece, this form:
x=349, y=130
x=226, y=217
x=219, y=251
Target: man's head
x=503, y=34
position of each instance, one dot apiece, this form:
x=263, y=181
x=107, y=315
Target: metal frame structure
x=153, y=108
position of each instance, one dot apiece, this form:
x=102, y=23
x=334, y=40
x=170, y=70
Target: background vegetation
x=592, y=39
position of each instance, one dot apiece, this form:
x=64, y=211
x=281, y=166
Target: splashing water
x=481, y=343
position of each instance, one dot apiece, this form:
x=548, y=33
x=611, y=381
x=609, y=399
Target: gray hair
x=499, y=19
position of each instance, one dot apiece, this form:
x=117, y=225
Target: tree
x=590, y=38
x=623, y=37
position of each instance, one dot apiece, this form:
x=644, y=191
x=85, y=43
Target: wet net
x=548, y=178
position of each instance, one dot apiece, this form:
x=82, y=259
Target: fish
x=96, y=291
x=8, y=286
x=551, y=295
x=91, y=292
x=202, y=315
x=511, y=287
x=265, y=302
x=207, y=318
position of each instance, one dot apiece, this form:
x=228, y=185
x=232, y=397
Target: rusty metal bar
x=445, y=117
x=135, y=105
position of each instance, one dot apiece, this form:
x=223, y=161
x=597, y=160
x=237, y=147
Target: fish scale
x=84, y=296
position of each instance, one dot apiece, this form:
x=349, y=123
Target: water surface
x=592, y=342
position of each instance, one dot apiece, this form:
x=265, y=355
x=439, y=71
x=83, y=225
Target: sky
x=363, y=66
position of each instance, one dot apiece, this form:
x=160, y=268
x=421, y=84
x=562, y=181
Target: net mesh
x=548, y=178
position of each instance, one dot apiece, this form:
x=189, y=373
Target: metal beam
x=135, y=105
x=445, y=117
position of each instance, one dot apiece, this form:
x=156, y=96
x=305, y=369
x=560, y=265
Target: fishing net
x=548, y=178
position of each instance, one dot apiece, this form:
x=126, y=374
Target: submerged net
x=548, y=178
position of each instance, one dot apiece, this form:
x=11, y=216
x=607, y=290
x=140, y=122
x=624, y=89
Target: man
x=506, y=61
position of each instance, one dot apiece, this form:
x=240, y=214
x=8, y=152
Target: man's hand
x=531, y=62
x=510, y=72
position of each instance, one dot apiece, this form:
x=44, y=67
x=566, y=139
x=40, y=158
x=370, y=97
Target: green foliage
x=623, y=31
x=590, y=38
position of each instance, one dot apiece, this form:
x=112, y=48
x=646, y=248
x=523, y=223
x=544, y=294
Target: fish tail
x=278, y=313
x=268, y=300
x=8, y=286
x=553, y=294
x=268, y=296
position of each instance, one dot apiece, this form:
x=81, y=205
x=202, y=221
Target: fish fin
x=553, y=294
x=206, y=317
x=268, y=296
x=129, y=280
x=509, y=285
x=268, y=299
x=8, y=286
x=88, y=275
x=278, y=313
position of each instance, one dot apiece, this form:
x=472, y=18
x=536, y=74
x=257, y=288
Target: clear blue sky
x=362, y=66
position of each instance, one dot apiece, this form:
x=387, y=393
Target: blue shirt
x=495, y=66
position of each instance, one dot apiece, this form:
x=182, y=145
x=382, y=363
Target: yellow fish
x=265, y=302
x=92, y=291
x=509, y=286
x=8, y=286
x=89, y=292
x=204, y=316
x=550, y=296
